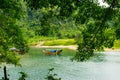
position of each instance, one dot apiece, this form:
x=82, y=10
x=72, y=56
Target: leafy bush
x=51, y=76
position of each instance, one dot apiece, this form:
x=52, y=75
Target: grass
x=60, y=42
x=116, y=44
x=50, y=41
x=36, y=40
x=53, y=41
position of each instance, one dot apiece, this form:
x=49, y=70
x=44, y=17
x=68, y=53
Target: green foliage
x=62, y=19
x=83, y=53
x=12, y=8
x=96, y=19
x=9, y=57
x=10, y=33
x=51, y=76
x=96, y=34
x=23, y=76
x=116, y=44
x=115, y=3
x=43, y=22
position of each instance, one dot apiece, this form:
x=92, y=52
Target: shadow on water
x=103, y=66
x=98, y=57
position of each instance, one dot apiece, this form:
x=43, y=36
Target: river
x=104, y=67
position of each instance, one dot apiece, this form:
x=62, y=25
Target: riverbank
x=111, y=50
x=73, y=47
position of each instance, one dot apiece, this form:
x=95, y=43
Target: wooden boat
x=13, y=49
x=52, y=52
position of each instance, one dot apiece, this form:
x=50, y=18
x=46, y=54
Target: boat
x=15, y=49
x=52, y=52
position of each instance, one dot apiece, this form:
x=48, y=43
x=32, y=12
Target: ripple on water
x=106, y=67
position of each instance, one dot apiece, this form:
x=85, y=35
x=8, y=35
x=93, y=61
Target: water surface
x=36, y=65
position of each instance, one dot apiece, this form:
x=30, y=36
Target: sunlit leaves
x=113, y=3
x=13, y=8
x=118, y=33
x=10, y=33
x=101, y=24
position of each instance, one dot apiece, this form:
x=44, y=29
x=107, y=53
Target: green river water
x=104, y=67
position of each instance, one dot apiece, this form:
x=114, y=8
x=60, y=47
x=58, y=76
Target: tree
x=11, y=11
x=95, y=36
x=95, y=18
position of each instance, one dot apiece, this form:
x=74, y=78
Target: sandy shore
x=72, y=47
x=109, y=49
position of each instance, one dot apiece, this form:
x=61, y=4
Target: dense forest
x=93, y=26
